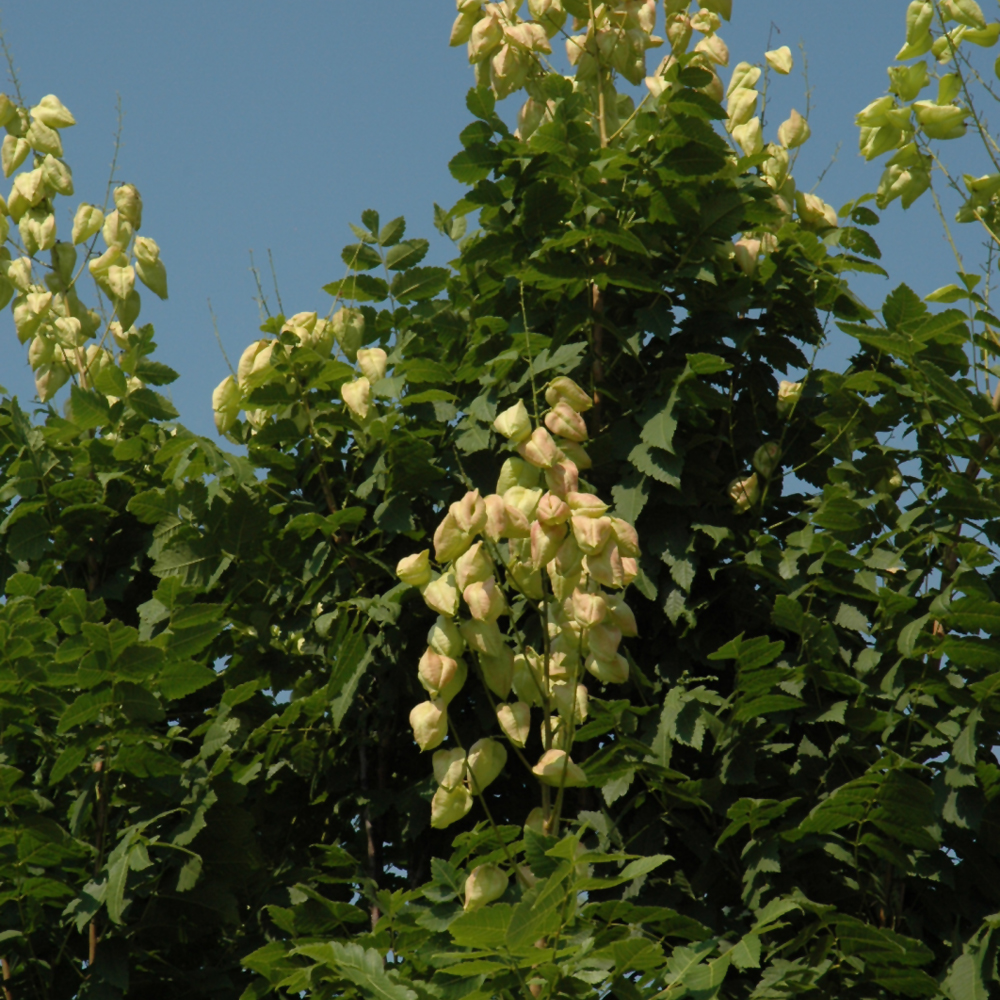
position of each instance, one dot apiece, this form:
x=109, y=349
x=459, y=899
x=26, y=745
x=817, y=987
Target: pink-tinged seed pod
x=445, y=638
x=515, y=721
x=569, y=558
x=484, y=884
x=552, y=510
x=526, y=579
x=429, y=721
x=604, y=641
x=586, y=504
x=449, y=805
x=518, y=525
x=575, y=453
x=416, y=569
x=524, y=499
x=449, y=767
x=744, y=492
x=449, y=540
x=614, y=671
x=470, y=513
x=556, y=768
x=563, y=389
x=563, y=478
x=545, y=542
x=487, y=758
x=496, y=517
x=622, y=615
x=485, y=38
x=627, y=537
x=472, y=567
x=483, y=637
x=562, y=586
x=461, y=30
x=540, y=450
x=435, y=672
x=591, y=533
x=630, y=570
x=563, y=421
x=606, y=567
x=485, y=600
x=498, y=671
x=588, y=609
x=441, y=595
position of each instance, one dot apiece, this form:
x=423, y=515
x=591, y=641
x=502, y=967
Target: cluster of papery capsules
x=544, y=538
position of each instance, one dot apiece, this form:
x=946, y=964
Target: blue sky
x=263, y=126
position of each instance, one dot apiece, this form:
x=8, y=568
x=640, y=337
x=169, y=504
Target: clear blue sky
x=255, y=126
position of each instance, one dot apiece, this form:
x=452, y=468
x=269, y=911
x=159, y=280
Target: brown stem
x=597, y=368
x=5, y=965
x=374, y=852
x=102, y=820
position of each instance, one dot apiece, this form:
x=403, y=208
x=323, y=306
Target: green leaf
x=419, y=283
x=359, y=288
x=707, y=364
x=152, y=372
x=658, y=465
x=407, y=254
x=746, y=953
x=362, y=966
x=181, y=679
x=484, y=927
x=425, y=370
x=392, y=232
x=111, y=381
x=361, y=256
x=88, y=409
x=84, y=709
x=151, y=405
x=29, y=537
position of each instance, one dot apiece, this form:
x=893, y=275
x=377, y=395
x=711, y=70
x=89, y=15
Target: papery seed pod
x=449, y=767
x=19, y=273
x=741, y=107
x=487, y=758
x=18, y=123
x=552, y=510
x=613, y=671
x=57, y=175
x=515, y=721
x=767, y=458
x=147, y=251
x=526, y=682
x=485, y=38
x=591, y=533
x=540, y=449
x=907, y=81
x=574, y=453
x=429, y=721
x=548, y=13
x=794, y=131
x=226, y=402
x=441, y=595
x=498, y=671
x=588, y=609
x=622, y=615
x=517, y=524
x=535, y=821
x=441, y=676
x=813, y=211
x=715, y=48
x=69, y=332
x=449, y=539
x=514, y=423
x=569, y=558
x=63, y=257
x=562, y=585
x=484, y=884
x=88, y=220
x=153, y=276
x=565, y=422
x=563, y=478
x=246, y=362
x=606, y=567
x=775, y=168
x=43, y=139
x=17, y=204
x=571, y=700
x=604, y=640
x=517, y=472
x=745, y=253
x=528, y=36
x=445, y=638
x=526, y=579
x=117, y=231
x=42, y=224
x=32, y=185
x=531, y=115
x=8, y=110
x=556, y=768
x=627, y=537
x=744, y=491
x=768, y=243
x=128, y=202
x=301, y=324
x=558, y=735
x=372, y=362
x=470, y=513
x=49, y=379
x=749, y=137
x=348, y=327
x=121, y=280
x=523, y=499
x=357, y=397
x=41, y=351
x=449, y=805
x=509, y=69
x=52, y=112
x=415, y=570
x=545, y=542
x=484, y=600
x=13, y=153
x=745, y=75
x=496, y=517
x=473, y=567
x=937, y=122
x=461, y=29
x=128, y=308
x=563, y=389
x=586, y=504
x=780, y=60
x=483, y=637
x=678, y=29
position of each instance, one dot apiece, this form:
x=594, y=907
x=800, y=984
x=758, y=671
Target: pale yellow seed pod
x=487, y=758
x=449, y=767
x=515, y=721
x=484, y=884
x=449, y=805
x=52, y=112
x=129, y=204
x=348, y=327
x=540, y=449
x=626, y=536
x=591, y=533
x=814, y=211
x=622, y=615
x=746, y=252
x=484, y=637
x=43, y=139
x=153, y=275
x=8, y=110
x=556, y=768
x=588, y=609
x=514, y=423
x=429, y=721
x=57, y=175
x=445, y=638
x=441, y=676
x=470, y=512
x=794, y=131
x=121, y=281
x=449, y=540
x=441, y=595
x=564, y=421
x=745, y=76
x=715, y=48
x=88, y=220
x=13, y=153
x=613, y=671
x=744, y=492
x=372, y=362
x=473, y=566
x=19, y=274
x=484, y=600
x=226, y=401
x=780, y=60
x=415, y=570
x=461, y=29
x=49, y=379
x=498, y=671
x=41, y=351
x=564, y=389
x=117, y=231
x=357, y=397
x=740, y=107
x=517, y=472
x=789, y=393
x=749, y=137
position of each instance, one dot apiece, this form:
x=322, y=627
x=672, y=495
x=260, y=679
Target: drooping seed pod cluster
x=49, y=315
x=345, y=329
x=543, y=537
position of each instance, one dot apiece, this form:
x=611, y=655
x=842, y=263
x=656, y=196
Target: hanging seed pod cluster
x=542, y=547
x=49, y=315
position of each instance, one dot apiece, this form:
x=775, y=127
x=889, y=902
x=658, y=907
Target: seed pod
x=794, y=131
x=129, y=204
x=496, y=517
x=449, y=805
x=517, y=525
x=441, y=595
x=517, y=472
x=429, y=721
x=509, y=69
x=552, y=510
x=153, y=276
x=32, y=185
x=57, y=175
x=789, y=393
x=226, y=402
x=449, y=767
x=715, y=48
x=548, y=13
x=69, y=332
x=514, y=423
x=622, y=615
x=117, y=231
x=445, y=638
x=41, y=224
x=588, y=609
x=484, y=884
x=19, y=273
x=441, y=676
x=485, y=38
x=52, y=112
x=487, y=758
x=586, y=504
x=563, y=478
x=563, y=389
x=528, y=36
x=485, y=600
x=604, y=640
x=349, y=331
x=41, y=352
x=767, y=458
x=121, y=280
x=606, y=567
x=44, y=139
x=483, y=637
x=372, y=362
x=8, y=109
x=498, y=671
x=780, y=60
x=749, y=137
x=461, y=29
x=449, y=540
x=128, y=308
x=17, y=204
x=814, y=211
x=545, y=542
x=526, y=579
x=472, y=567
x=357, y=397
x=745, y=76
x=515, y=721
x=626, y=536
x=63, y=257
x=523, y=499
x=947, y=122
x=88, y=220
x=415, y=570
x=744, y=492
x=741, y=107
x=49, y=379
x=564, y=421
x=556, y=768
x=526, y=681
x=470, y=513
x=540, y=450
x=571, y=700
x=613, y=671
x=745, y=253
x=591, y=533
